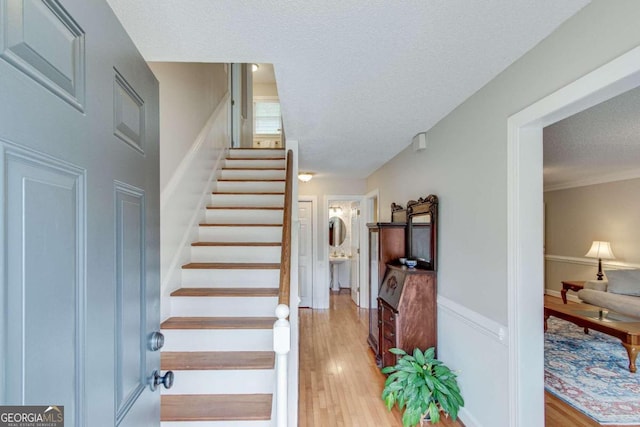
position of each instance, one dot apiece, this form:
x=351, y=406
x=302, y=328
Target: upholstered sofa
x=620, y=292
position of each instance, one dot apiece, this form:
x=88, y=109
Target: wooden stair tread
x=215, y=407
x=248, y=208
x=261, y=244
x=225, y=292
x=258, y=148
x=249, y=194
x=233, y=265
x=249, y=180
x=238, y=225
x=255, y=158
x=253, y=169
x=216, y=360
x=218, y=323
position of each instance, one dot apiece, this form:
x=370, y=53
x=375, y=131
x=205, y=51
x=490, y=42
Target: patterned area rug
x=590, y=372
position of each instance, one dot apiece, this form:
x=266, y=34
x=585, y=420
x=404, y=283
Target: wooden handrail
x=285, y=260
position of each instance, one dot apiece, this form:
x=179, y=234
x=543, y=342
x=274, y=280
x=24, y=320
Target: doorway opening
x=256, y=118
x=525, y=218
x=344, y=246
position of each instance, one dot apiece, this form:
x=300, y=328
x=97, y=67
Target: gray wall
x=465, y=161
x=189, y=93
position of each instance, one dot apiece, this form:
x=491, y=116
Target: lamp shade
x=601, y=250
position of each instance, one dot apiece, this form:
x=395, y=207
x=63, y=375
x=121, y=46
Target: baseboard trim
x=480, y=323
x=468, y=419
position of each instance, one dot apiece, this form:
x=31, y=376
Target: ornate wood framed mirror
x=398, y=213
x=422, y=228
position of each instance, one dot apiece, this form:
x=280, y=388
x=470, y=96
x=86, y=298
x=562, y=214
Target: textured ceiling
x=356, y=78
x=599, y=144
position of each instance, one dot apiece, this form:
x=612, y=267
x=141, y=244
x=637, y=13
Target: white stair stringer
x=233, y=268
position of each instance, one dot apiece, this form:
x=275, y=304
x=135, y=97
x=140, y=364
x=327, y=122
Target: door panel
x=79, y=185
x=45, y=240
x=130, y=297
x=305, y=254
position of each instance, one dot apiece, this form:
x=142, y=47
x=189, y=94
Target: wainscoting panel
x=130, y=296
x=481, y=363
x=43, y=41
x=44, y=284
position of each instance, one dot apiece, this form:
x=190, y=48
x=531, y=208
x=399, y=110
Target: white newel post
x=281, y=346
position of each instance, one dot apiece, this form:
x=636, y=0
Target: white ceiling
x=356, y=78
x=600, y=144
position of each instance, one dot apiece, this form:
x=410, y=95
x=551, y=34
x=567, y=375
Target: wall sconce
x=600, y=250
x=254, y=67
x=305, y=176
x=335, y=210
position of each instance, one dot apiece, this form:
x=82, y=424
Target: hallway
x=340, y=384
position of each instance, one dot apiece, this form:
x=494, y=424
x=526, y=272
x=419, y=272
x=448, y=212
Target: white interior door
x=79, y=230
x=355, y=257
x=305, y=255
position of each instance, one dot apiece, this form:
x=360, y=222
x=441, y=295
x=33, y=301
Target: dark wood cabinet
x=403, y=310
x=407, y=311
x=386, y=244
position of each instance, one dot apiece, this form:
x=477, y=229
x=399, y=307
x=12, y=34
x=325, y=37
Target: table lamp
x=600, y=250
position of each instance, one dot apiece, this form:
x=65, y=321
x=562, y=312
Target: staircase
x=219, y=338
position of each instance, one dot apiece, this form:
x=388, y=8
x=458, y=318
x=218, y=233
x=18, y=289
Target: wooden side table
x=570, y=285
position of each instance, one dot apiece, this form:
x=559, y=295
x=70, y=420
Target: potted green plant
x=423, y=386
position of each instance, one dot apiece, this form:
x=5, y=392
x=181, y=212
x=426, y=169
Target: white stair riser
x=201, y=278
x=255, y=153
x=218, y=340
x=252, y=174
x=231, y=163
x=223, y=306
x=269, y=254
x=253, y=381
x=240, y=234
x=250, y=186
x=244, y=216
x=252, y=200
x=268, y=423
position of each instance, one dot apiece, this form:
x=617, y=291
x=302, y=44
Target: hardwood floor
x=340, y=384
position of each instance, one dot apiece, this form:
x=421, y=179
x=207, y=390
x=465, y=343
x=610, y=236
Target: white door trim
x=367, y=217
x=525, y=225
x=314, y=240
